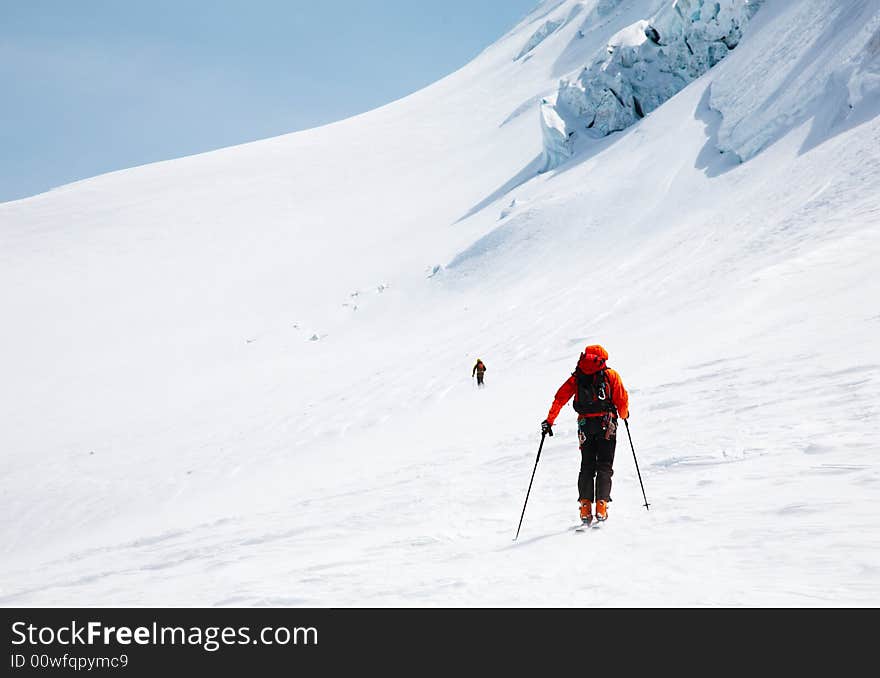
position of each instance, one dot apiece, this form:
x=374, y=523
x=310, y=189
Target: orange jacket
x=592, y=360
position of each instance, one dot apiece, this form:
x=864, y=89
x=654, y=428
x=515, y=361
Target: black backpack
x=593, y=393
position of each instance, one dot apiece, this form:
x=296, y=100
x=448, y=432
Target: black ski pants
x=597, y=460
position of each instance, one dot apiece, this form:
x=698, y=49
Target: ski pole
x=543, y=435
x=625, y=421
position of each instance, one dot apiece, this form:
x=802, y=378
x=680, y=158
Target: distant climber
x=479, y=370
x=599, y=399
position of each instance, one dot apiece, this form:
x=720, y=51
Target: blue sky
x=89, y=86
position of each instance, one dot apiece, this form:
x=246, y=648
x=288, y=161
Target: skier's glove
x=546, y=428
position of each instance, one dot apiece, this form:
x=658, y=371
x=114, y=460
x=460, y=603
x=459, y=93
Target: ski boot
x=586, y=511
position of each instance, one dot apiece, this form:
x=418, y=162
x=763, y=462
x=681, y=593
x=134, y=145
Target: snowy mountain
x=244, y=377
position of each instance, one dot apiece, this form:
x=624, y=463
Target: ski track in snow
x=424, y=532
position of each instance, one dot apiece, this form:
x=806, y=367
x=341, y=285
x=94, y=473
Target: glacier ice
x=642, y=67
x=539, y=36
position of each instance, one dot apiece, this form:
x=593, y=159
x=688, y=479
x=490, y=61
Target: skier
x=479, y=370
x=599, y=398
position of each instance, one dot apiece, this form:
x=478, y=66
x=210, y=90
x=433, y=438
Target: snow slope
x=242, y=378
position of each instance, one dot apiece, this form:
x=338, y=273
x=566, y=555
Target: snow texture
x=171, y=436
x=823, y=63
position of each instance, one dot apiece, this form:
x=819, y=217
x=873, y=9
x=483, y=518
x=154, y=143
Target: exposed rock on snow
x=643, y=66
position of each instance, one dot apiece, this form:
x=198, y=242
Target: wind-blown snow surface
x=242, y=378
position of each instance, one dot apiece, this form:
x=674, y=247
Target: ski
x=595, y=524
